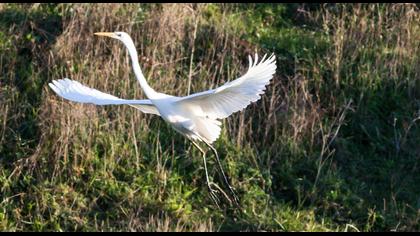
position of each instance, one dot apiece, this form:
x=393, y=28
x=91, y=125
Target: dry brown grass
x=299, y=143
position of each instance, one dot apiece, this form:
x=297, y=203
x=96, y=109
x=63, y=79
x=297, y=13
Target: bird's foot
x=213, y=195
x=235, y=197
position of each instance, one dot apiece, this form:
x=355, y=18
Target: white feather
x=233, y=96
x=77, y=92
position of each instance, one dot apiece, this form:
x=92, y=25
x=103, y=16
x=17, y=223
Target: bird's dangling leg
x=235, y=197
x=211, y=190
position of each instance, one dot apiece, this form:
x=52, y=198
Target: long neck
x=150, y=93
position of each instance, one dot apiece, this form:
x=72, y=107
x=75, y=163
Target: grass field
x=333, y=145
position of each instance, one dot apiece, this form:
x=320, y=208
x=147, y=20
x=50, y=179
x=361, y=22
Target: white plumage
x=77, y=92
x=234, y=96
x=196, y=116
x=203, y=108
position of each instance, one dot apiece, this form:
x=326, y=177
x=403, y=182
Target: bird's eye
x=119, y=34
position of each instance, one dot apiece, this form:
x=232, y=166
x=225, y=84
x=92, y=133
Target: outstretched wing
x=77, y=92
x=234, y=96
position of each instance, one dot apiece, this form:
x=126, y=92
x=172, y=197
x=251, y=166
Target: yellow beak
x=107, y=34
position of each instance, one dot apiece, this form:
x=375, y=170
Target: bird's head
x=122, y=36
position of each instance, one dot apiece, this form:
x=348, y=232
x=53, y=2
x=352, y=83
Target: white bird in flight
x=195, y=116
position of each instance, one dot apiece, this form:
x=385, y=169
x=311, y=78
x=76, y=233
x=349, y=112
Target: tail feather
x=208, y=129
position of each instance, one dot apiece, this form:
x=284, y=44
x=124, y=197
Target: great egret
x=195, y=116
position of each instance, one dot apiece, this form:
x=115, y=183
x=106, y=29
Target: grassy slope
x=332, y=146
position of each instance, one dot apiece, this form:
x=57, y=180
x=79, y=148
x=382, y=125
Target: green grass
x=331, y=146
